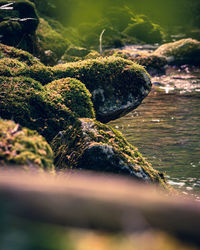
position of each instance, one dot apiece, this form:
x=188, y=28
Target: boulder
x=117, y=85
x=18, y=23
x=23, y=148
x=184, y=51
x=91, y=145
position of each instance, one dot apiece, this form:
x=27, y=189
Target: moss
x=73, y=94
x=144, y=30
x=25, y=100
x=49, y=40
x=181, y=52
x=79, y=147
x=24, y=148
x=20, y=55
x=110, y=80
x=74, y=54
x=11, y=67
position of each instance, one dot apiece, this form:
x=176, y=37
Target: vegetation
x=23, y=148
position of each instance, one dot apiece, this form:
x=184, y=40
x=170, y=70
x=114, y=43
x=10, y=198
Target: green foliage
x=24, y=148
x=73, y=94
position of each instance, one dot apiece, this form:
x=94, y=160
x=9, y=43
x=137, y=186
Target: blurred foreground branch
x=94, y=201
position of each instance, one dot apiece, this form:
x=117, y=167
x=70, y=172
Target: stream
x=166, y=127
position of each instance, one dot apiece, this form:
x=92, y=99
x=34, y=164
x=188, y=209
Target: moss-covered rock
x=51, y=45
x=143, y=29
x=153, y=64
x=184, y=51
x=18, y=24
x=74, y=54
x=94, y=146
x=18, y=54
x=117, y=85
x=25, y=101
x=73, y=94
x=24, y=148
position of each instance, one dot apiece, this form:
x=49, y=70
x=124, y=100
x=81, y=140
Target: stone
x=91, y=145
x=184, y=51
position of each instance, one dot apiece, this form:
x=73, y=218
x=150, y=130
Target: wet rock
x=92, y=145
x=117, y=85
x=184, y=51
x=23, y=148
x=18, y=23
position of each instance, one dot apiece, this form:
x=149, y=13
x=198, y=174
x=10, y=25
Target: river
x=166, y=127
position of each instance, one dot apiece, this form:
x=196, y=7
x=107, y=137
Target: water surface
x=166, y=128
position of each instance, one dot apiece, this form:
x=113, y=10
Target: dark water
x=166, y=128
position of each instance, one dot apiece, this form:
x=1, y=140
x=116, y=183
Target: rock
x=23, y=148
x=143, y=29
x=91, y=145
x=184, y=51
x=117, y=85
x=18, y=24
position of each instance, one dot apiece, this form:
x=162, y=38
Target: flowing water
x=166, y=127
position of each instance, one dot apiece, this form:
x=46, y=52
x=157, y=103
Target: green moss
x=98, y=72
x=23, y=147
x=180, y=52
x=11, y=67
x=74, y=54
x=143, y=29
x=50, y=40
x=71, y=150
x=20, y=55
x=24, y=100
x=73, y=94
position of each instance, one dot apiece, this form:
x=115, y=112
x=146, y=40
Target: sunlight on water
x=166, y=129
